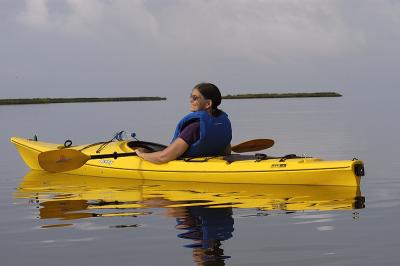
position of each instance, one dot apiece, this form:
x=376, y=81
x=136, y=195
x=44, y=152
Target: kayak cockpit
x=151, y=146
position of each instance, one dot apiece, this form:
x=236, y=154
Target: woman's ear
x=208, y=104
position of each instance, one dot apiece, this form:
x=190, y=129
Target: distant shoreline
x=76, y=100
x=282, y=95
x=129, y=99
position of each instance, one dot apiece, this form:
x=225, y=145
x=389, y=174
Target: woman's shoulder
x=200, y=115
x=192, y=115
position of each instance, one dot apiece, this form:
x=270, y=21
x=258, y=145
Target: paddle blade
x=62, y=160
x=253, y=145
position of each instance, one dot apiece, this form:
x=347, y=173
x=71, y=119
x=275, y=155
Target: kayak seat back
x=151, y=146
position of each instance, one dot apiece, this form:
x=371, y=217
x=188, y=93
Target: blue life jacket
x=215, y=134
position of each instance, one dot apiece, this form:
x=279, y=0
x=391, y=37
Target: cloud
x=262, y=30
x=36, y=14
x=125, y=17
x=265, y=31
x=76, y=17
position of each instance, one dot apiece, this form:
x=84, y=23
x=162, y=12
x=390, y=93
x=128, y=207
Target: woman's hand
x=140, y=151
x=173, y=151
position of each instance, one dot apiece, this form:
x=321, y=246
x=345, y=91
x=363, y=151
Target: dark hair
x=211, y=92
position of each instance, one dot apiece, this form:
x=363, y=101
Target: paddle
x=69, y=159
x=253, y=145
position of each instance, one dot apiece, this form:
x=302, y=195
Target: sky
x=112, y=48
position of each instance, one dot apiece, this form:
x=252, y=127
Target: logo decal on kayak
x=63, y=159
x=104, y=161
x=278, y=165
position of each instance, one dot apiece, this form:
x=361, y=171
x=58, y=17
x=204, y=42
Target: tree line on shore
x=126, y=99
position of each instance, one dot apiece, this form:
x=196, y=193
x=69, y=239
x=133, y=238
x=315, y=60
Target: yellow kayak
x=57, y=192
x=232, y=169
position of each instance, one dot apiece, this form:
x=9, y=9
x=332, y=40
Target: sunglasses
x=194, y=97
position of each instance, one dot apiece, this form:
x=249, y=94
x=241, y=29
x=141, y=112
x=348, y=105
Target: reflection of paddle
x=253, y=145
x=70, y=159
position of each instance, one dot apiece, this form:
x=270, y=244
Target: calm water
x=66, y=220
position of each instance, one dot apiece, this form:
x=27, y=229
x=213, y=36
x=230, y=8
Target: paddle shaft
x=70, y=159
x=112, y=155
x=251, y=145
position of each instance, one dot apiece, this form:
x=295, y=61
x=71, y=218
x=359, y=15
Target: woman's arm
x=172, y=152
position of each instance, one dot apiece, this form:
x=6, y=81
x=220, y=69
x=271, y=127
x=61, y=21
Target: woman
x=206, y=131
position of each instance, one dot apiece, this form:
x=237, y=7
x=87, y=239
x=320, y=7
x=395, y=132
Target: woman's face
x=198, y=102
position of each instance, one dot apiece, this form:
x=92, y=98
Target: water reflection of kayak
x=68, y=193
x=203, y=211
x=255, y=169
